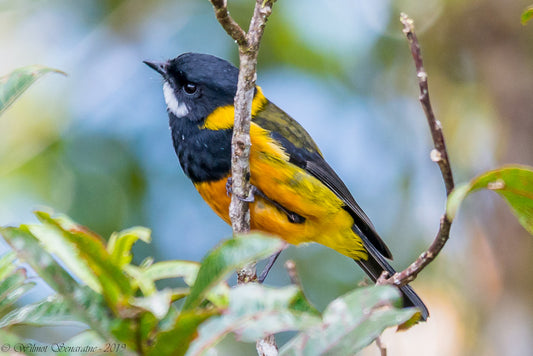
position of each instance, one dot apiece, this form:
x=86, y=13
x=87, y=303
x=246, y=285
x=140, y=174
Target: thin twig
x=439, y=155
x=381, y=347
x=228, y=23
x=240, y=144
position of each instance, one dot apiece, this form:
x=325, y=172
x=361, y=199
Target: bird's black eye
x=190, y=88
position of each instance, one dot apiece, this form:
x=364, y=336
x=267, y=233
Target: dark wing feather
x=304, y=153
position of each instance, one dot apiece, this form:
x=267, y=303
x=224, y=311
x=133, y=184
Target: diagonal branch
x=228, y=23
x=438, y=155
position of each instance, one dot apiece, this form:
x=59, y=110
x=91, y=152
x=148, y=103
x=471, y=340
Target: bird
x=297, y=195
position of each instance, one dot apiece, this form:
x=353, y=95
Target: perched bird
x=298, y=196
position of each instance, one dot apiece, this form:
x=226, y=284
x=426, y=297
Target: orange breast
x=263, y=215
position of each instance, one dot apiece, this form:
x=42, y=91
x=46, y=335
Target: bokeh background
x=96, y=145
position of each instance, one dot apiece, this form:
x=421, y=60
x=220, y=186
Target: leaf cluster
x=97, y=285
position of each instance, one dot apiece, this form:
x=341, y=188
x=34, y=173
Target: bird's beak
x=159, y=67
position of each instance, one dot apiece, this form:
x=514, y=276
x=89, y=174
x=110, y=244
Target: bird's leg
x=271, y=260
x=249, y=199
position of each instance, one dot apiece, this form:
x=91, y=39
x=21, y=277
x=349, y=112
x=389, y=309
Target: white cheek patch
x=173, y=105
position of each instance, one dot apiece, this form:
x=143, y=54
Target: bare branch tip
x=407, y=22
x=381, y=346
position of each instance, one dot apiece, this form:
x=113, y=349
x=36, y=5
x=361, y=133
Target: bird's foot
x=248, y=199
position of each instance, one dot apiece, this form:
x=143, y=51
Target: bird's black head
x=196, y=84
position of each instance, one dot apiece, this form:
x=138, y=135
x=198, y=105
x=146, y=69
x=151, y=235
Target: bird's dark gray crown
x=205, y=69
x=215, y=78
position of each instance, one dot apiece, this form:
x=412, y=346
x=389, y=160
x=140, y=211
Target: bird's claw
x=248, y=199
x=229, y=182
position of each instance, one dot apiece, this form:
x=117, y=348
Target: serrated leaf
x=90, y=247
x=513, y=183
x=57, y=309
x=15, y=279
x=29, y=250
x=15, y=83
x=228, y=256
x=527, y=15
x=120, y=244
x=50, y=311
x=13, y=287
x=254, y=312
x=350, y=323
x=54, y=241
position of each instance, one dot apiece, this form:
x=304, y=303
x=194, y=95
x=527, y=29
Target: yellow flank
x=326, y=222
x=223, y=117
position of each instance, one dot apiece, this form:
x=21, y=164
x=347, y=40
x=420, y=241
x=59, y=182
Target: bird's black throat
x=204, y=155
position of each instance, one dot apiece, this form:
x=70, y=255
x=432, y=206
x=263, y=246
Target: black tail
x=376, y=264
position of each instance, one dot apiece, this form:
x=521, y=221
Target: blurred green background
x=96, y=145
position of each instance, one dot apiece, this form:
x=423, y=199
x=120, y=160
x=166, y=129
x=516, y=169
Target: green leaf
x=7, y=266
x=350, y=323
x=13, y=287
x=13, y=282
x=527, y=15
x=137, y=330
x=176, y=341
x=29, y=250
x=228, y=256
x=157, y=303
x=187, y=270
x=120, y=244
x=54, y=241
x=513, y=183
x=57, y=309
x=50, y=311
x=90, y=247
x=15, y=83
x=256, y=311
x=146, y=285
